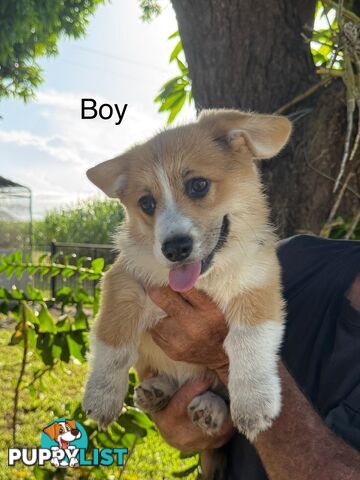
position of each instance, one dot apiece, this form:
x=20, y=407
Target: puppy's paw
x=208, y=411
x=103, y=403
x=254, y=411
x=153, y=394
x=251, y=424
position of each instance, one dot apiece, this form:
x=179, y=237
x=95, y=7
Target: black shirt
x=322, y=340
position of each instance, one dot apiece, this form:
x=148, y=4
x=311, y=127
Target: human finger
x=197, y=299
x=168, y=300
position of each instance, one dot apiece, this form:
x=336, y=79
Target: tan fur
x=258, y=304
x=121, y=305
x=244, y=279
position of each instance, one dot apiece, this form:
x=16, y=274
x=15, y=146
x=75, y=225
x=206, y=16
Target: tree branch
x=304, y=95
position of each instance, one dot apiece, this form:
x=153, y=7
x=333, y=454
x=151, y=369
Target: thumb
x=187, y=392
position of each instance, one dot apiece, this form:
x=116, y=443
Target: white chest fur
x=152, y=355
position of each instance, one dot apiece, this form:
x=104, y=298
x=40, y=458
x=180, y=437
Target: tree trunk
x=250, y=54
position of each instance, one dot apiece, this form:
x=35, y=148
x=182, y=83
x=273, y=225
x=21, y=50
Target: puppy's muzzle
x=178, y=248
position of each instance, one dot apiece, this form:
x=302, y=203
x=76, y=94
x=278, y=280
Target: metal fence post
x=53, y=279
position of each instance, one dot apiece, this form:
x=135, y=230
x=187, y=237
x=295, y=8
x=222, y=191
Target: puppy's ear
x=109, y=176
x=71, y=423
x=50, y=430
x=263, y=135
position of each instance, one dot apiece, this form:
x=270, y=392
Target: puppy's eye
x=147, y=204
x=197, y=187
x=61, y=430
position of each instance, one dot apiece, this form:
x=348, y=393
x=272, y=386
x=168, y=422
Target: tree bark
x=249, y=54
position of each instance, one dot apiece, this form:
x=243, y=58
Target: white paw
x=253, y=410
x=103, y=402
x=208, y=411
x=153, y=394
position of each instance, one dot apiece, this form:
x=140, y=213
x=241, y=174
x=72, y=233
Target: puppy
x=196, y=217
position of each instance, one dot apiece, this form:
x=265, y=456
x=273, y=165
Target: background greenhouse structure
x=15, y=216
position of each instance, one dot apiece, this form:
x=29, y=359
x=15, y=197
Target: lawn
x=152, y=459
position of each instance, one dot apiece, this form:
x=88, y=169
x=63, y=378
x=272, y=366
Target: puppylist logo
x=64, y=444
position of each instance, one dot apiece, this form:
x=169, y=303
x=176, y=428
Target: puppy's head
x=183, y=187
x=63, y=432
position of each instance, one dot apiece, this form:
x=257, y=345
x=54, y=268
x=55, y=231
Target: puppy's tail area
x=214, y=464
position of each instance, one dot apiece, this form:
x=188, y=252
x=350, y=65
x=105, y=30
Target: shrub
x=98, y=220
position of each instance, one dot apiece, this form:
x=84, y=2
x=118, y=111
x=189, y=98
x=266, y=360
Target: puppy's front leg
x=107, y=384
x=114, y=346
x=254, y=384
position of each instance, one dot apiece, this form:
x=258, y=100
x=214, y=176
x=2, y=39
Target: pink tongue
x=184, y=278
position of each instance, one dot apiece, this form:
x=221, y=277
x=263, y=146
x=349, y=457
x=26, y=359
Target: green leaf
x=76, y=346
x=176, y=51
x=30, y=316
x=81, y=321
x=19, y=271
x=176, y=107
x=44, y=348
x=185, y=473
x=17, y=294
x=31, y=337
x=31, y=270
x=61, y=342
x=98, y=265
x=182, y=67
x=171, y=100
x=63, y=324
x=9, y=271
x=56, y=348
x=54, y=271
x=33, y=294
x=81, y=296
x=64, y=295
x=46, y=321
x=173, y=35
x=127, y=440
x=135, y=422
x=43, y=257
x=67, y=272
x=17, y=257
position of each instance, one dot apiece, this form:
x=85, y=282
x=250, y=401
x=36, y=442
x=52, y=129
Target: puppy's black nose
x=75, y=431
x=177, y=248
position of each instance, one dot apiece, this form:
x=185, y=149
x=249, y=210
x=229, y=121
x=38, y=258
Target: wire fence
x=15, y=215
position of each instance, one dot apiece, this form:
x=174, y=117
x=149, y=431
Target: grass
x=151, y=460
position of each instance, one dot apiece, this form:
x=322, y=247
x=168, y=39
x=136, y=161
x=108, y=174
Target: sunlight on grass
x=152, y=460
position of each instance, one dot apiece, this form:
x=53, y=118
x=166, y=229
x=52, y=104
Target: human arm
x=297, y=446
x=300, y=446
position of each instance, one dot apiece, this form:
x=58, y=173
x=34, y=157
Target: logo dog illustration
x=63, y=432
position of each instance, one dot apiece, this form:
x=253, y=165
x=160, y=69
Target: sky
x=45, y=144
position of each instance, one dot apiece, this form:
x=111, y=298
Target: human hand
x=194, y=330
x=177, y=428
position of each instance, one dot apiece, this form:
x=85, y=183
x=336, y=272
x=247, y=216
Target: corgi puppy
x=196, y=218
